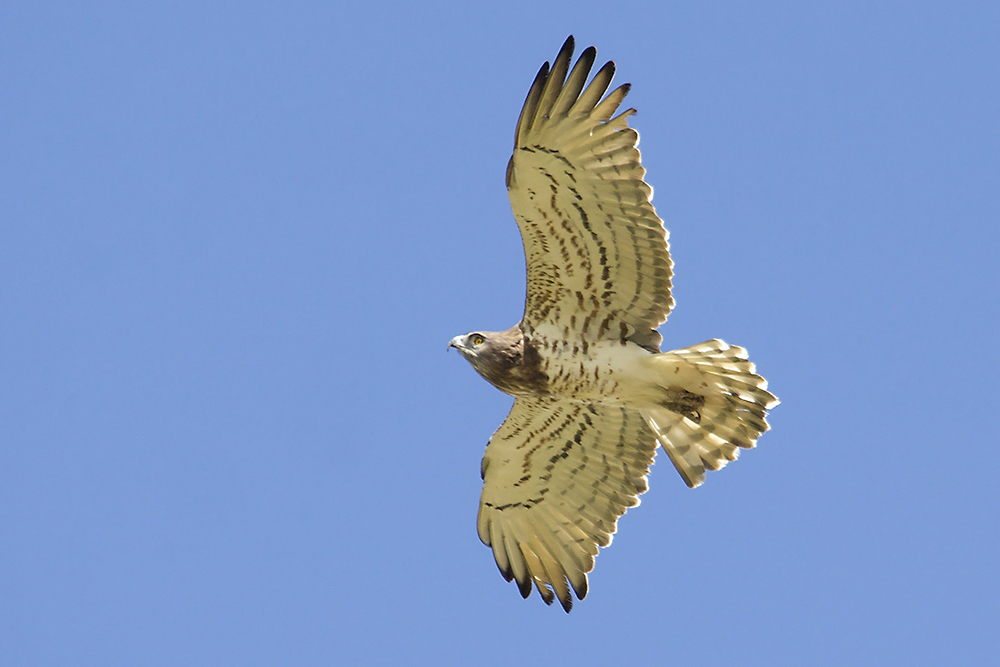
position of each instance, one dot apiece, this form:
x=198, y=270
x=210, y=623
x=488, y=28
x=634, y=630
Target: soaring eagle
x=594, y=395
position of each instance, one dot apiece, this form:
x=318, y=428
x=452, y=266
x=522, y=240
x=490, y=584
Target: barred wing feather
x=557, y=475
x=597, y=257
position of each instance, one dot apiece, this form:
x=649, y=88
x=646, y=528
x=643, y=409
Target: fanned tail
x=715, y=404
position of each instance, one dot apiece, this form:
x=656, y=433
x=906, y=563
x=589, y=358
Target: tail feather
x=717, y=406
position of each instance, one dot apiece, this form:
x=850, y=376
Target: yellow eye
x=477, y=340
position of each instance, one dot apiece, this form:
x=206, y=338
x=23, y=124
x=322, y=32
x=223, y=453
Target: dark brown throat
x=511, y=363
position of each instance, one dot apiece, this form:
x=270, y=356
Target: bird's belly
x=609, y=373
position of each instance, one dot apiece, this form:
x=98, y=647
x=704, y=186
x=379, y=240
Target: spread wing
x=556, y=477
x=596, y=252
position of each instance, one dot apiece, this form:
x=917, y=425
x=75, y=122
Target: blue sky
x=235, y=239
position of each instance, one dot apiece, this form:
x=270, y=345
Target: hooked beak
x=456, y=343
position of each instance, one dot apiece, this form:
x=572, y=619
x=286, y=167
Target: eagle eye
x=477, y=340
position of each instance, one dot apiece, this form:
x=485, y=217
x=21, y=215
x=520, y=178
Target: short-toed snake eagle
x=593, y=394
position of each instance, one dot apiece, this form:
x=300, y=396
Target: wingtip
x=568, y=45
x=525, y=119
x=542, y=73
x=548, y=597
x=524, y=587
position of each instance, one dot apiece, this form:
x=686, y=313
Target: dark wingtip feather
x=530, y=103
x=524, y=588
x=507, y=573
x=568, y=45
x=555, y=81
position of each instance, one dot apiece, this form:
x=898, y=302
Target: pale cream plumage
x=559, y=515
x=593, y=394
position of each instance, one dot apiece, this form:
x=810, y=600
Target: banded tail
x=716, y=406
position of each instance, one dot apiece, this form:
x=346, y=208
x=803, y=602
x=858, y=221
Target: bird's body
x=574, y=371
x=593, y=394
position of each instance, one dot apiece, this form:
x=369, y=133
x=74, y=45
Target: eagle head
x=470, y=344
x=480, y=348
x=499, y=357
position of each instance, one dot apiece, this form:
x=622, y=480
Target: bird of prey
x=593, y=394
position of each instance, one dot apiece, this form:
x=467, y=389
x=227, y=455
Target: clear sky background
x=235, y=239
